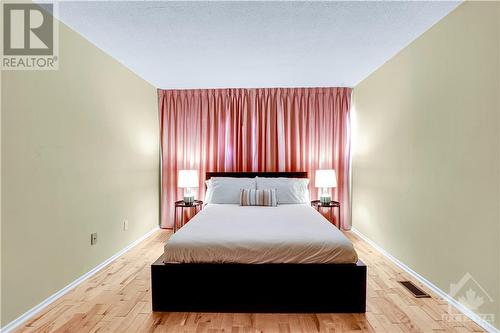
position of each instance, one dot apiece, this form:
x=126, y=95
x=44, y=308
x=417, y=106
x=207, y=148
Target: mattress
x=224, y=233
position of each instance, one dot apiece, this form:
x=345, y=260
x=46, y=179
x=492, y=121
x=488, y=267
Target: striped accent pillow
x=251, y=197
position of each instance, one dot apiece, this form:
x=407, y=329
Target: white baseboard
x=30, y=313
x=473, y=316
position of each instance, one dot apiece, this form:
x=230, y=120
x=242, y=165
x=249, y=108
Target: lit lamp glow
x=325, y=179
x=188, y=179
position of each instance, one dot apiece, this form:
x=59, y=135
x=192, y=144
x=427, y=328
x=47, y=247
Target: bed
x=286, y=234
x=287, y=258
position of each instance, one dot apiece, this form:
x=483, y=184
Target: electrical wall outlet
x=125, y=225
x=93, y=238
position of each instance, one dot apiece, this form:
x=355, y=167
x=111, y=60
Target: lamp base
x=325, y=199
x=189, y=200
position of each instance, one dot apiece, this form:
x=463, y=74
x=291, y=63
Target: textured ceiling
x=252, y=44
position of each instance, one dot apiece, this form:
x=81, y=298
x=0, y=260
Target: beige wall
x=79, y=155
x=426, y=152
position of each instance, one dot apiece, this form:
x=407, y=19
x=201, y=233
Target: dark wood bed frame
x=283, y=288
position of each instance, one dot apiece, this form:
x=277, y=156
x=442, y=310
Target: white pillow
x=289, y=190
x=226, y=190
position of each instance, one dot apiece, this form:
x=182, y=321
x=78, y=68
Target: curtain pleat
x=268, y=129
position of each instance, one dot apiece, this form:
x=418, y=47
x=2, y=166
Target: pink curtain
x=278, y=129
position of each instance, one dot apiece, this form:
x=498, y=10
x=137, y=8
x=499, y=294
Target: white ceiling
x=252, y=44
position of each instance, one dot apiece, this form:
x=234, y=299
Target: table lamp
x=324, y=180
x=188, y=179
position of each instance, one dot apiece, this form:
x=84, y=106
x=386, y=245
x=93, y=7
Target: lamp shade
x=325, y=178
x=187, y=178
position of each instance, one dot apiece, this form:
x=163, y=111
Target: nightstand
x=331, y=205
x=197, y=205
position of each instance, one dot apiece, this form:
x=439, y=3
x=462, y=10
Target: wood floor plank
x=118, y=299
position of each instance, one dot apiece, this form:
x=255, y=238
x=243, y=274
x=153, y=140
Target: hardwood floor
x=118, y=299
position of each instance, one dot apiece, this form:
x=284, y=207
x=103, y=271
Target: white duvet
x=224, y=233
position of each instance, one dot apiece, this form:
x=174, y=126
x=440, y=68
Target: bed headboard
x=294, y=174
